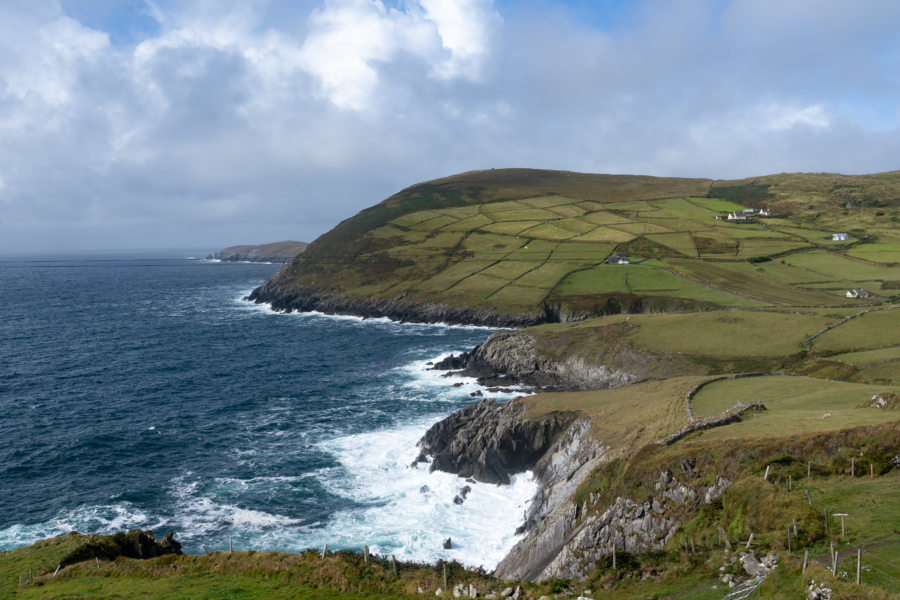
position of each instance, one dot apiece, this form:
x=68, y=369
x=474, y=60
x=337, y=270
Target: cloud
x=248, y=121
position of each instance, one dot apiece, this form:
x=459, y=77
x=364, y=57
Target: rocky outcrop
x=276, y=252
x=628, y=526
x=508, y=357
x=286, y=297
x=134, y=544
x=490, y=440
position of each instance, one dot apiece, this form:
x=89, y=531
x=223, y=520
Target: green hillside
x=520, y=241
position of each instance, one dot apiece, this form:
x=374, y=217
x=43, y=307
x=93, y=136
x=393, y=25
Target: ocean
x=139, y=390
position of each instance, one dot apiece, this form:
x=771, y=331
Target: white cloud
x=281, y=119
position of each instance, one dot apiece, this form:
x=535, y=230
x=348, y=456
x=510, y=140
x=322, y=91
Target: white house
x=618, y=259
x=858, y=293
x=838, y=237
x=765, y=212
x=737, y=216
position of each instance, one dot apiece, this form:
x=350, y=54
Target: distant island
x=276, y=252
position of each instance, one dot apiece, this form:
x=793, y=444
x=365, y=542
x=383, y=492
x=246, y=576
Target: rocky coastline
x=490, y=441
x=307, y=298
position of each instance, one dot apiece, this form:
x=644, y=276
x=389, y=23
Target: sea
x=140, y=390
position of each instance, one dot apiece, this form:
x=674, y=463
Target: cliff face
x=284, y=296
x=516, y=356
x=491, y=440
x=276, y=252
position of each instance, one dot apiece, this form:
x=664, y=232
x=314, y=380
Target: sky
x=207, y=123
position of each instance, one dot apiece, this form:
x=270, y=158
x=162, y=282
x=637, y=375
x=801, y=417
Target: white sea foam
x=199, y=515
x=409, y=511
x=420, y=375
x=353, y=318
x=106, y=518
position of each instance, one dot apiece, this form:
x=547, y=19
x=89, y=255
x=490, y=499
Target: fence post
x=858, y=560
x=445, y=576
x=805, y=560
x=366, y=554
x=230, y=545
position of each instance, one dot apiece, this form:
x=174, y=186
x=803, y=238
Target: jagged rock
x=818, y=591
x=716, y=491
x=284, y=295
x=448, y=544
x=489, y=441
x=517, y=593
x=508, y=357
x=507, y=591
x=438, y=592
x=750, y=564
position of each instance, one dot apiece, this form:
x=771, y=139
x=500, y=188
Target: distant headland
x=276, y=252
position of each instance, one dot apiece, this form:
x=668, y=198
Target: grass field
x=876, y=329
x=729, y=333
x=794, y=405
x=539, y=216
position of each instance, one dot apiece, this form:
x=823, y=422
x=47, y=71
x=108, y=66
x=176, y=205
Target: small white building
x=858, y=293
x=737, y=216
x=765, y=212
x=839, y=237
x=618, y=259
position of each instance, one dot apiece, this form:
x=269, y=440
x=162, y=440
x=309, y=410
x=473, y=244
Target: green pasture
x=742, y=230
x=793, y=405
x=841, y=267
x=453, y=274
x=567, y=210
x=603, y=279
x=496, y=207
x=435, y=223
x=533, y=250
x=521, y=214
x=509, y=269
x=765, y=246
x=729, y=333
x=549, y=231
x=519, y=295
x=605, y=218
x=682, y=208
x=640, y=228
x=478, y=285
x=548, y=274
x=581, y=251
x=650, y=281
x=717, y=205
x=680, y=242
x=887, y=372
x=489, y=245
x=880, y=253
x=865, y=358
x=414, y=218
x=605, y=234
x=510, y=227
x=575, y=225
x=547, y=201
x=470, y=223
x=873, y=330
x=742, y=278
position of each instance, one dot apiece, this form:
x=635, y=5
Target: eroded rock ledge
x=509, y=357
x=490, y=441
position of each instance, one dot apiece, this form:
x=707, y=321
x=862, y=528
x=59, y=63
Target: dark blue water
x=141, y=391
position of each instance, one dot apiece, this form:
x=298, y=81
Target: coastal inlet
x=141, y=392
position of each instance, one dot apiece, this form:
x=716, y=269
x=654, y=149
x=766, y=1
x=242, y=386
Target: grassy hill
x=521, y=240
